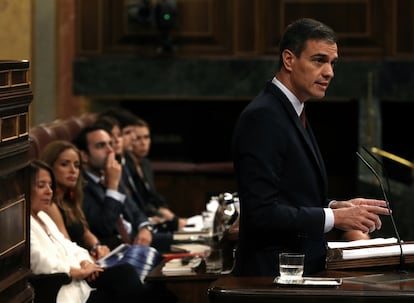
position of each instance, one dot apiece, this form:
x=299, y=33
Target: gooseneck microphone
x=384, y=171
x=384, y=194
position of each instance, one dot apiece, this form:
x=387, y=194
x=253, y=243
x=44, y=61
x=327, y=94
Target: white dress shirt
x=53, y=253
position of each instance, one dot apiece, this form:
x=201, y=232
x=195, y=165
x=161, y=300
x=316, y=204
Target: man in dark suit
x=111, y=214
x=137, y=174
x=282, y=182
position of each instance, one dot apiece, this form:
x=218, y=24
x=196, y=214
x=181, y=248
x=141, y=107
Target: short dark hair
x=124, y=117
x=299, y=32
x=107, y=123
x=81, y=141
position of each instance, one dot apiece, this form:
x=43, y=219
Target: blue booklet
x=143, y=258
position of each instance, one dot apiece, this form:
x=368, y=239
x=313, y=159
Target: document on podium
x=379, y=251
x=360, y=243
x=368, y=253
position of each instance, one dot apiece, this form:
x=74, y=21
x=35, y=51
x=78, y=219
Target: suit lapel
x=96, y=188
x=129, y=182
x=305, y=134
x=316, y=151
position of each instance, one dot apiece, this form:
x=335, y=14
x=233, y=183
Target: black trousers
x=121, y=283
x=118, y=283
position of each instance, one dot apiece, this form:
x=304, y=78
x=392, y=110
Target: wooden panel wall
x=403, y=30
x=15, y=97
x=366, y=28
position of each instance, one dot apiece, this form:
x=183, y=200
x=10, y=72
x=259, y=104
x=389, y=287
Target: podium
x=369, y=271
x=357, y=286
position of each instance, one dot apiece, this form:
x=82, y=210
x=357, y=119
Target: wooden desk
x=192, y=287
x=261, y=289
x=188, y=287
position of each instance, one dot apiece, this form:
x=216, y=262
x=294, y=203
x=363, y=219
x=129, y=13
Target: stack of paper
x=194, y=223
x=359, y=243
x=196, y=236
x=177, y=266
x=368, y=253
x=194, y=248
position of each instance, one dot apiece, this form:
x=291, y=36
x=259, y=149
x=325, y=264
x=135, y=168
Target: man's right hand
x=143, y=237
x=113, y=172
x=359, y=214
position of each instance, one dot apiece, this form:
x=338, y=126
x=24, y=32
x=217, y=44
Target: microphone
x=384, y=194
x=385, y=171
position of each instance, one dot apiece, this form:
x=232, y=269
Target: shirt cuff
x=145, y=224
x=329, y=220
x=115, y=195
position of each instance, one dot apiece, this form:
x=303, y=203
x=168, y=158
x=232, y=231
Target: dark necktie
x=122, y=231
x=303, y=118
x=121, y=227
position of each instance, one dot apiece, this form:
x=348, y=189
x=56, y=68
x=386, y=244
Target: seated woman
x=51, y=252
x=66, y=211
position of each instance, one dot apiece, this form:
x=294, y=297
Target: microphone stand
x=402, y=258
x=385, y=171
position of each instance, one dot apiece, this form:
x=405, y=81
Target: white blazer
x=53, y=254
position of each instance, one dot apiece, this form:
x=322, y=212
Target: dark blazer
x=153, y=197
x=129, y=178
x=145, y=187
x=102, y=212
x=144, y=192
x=282, y=187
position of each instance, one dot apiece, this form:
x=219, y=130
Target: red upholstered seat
x=67, y=129
x=39, y=137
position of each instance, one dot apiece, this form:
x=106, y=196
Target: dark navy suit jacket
x=282, y=187
x=102, y=212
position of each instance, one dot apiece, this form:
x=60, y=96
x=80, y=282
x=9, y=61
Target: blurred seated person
x=66, y=210
x=140, y=148
x=113, y=127
x=111, y=213
x=141, y=179
x=51, y=252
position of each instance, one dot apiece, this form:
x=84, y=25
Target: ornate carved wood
x=366, y=28
x=15, y=97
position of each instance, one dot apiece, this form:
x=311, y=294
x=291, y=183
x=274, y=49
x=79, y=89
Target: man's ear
x=84, y=156
x=288, y=59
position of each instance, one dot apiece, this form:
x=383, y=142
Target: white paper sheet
x=375, y=241
x=194, y=223
x=382, y=251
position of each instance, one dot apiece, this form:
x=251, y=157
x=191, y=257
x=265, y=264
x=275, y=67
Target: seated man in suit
x=111, y=214
x=137, y=171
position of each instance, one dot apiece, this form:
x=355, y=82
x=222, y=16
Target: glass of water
x=291, y=267
x=214, y=260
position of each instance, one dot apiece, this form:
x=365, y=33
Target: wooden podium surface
x=357, y=286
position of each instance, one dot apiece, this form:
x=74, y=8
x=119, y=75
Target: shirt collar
x=297, y=105
x=94, y=177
